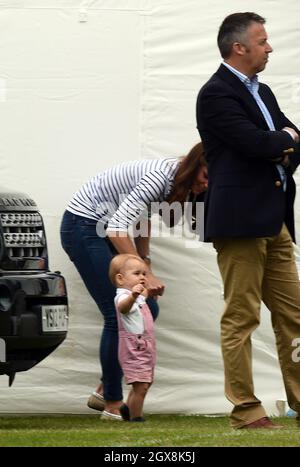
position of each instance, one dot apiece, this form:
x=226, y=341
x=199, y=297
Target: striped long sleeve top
x=120, y=195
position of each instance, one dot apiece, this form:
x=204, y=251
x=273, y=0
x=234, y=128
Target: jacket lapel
x=248, y=101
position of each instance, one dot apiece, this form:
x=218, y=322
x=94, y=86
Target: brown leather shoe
x=263, y=422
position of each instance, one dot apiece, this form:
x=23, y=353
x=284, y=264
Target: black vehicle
x=33, y=300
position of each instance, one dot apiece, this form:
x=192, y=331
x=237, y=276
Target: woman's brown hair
x=186, y=174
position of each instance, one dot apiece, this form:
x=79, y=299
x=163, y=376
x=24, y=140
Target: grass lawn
x=158, y=430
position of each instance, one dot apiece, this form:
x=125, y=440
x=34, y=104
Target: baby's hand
x=137, y=290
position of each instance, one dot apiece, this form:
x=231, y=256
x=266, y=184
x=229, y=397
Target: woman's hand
x=154, y=285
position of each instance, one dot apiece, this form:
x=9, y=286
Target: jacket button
x=278, y=183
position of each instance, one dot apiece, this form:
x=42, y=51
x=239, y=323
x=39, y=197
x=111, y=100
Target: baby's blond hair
x=118, y=263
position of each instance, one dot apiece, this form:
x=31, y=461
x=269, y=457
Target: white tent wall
x=88, y=84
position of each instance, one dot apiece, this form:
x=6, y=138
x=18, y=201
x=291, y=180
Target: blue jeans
x=91, y=255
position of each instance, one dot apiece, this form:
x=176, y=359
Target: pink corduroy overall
x=137, y=352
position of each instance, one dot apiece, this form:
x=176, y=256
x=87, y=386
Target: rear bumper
x=24, y=338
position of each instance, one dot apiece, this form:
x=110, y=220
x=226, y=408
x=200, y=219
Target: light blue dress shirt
x=253, y=85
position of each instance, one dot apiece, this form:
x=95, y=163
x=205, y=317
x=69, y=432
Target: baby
x=137, y=349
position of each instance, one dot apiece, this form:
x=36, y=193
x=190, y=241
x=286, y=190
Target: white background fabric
x=88, y=84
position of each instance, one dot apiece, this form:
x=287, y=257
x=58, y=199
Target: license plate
x=54, y=318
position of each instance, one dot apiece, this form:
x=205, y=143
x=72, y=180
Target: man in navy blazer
x=252, y=150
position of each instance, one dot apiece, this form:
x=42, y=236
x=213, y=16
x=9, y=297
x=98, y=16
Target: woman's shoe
x=96, y=402
x=111, y=416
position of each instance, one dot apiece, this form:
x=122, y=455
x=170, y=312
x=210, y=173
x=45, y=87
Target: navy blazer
x=245, y=196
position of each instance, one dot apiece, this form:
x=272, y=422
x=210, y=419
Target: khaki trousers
x=255, y=270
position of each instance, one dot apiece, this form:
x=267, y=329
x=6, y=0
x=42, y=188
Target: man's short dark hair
x=233, y=30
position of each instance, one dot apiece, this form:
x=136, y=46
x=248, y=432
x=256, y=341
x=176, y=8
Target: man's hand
x=286, y=161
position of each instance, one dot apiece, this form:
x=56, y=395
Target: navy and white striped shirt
x=120, y=195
